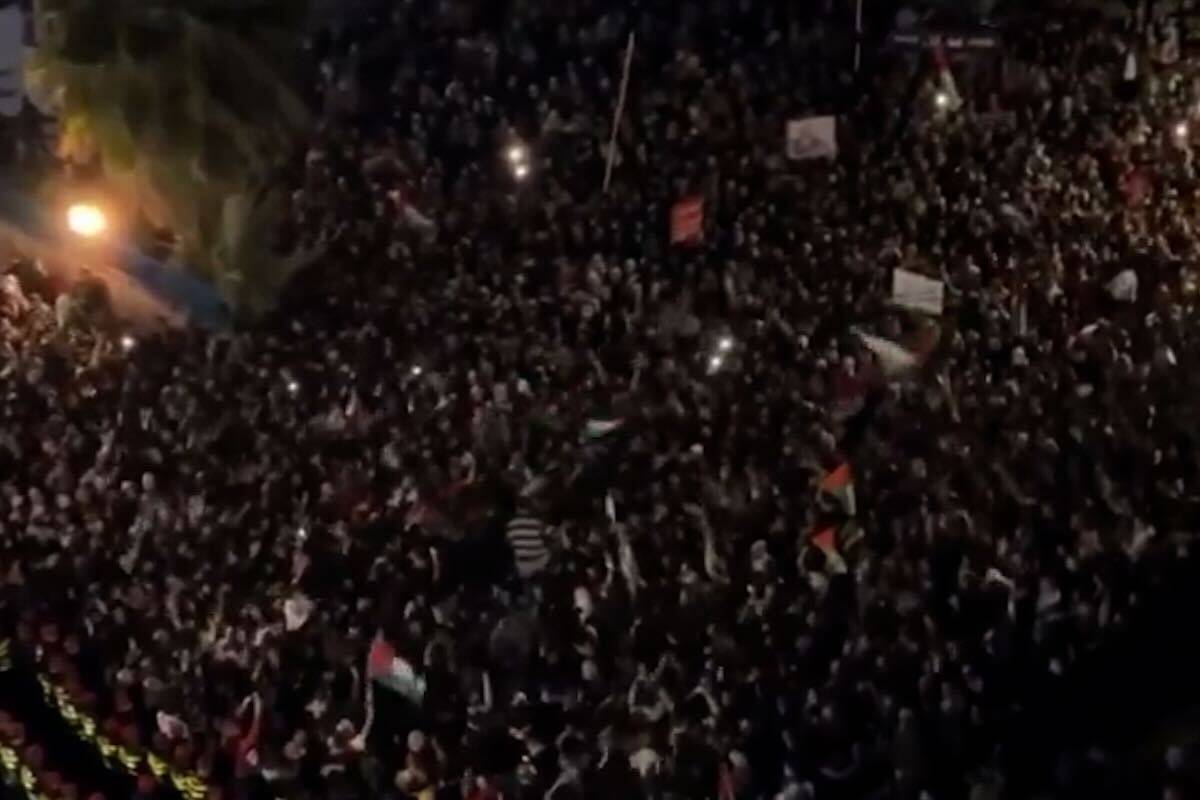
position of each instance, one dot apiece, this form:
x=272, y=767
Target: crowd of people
x=510, y=444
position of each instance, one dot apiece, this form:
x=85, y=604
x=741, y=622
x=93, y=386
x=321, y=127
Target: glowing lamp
x=86, y=220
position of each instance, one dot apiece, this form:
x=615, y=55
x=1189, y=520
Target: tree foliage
x=189, y=107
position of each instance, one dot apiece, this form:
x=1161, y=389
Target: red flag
x=379, y=660
x=949, y=98
x=825, y=542
x=246, y=745
x=939, y=56
x=829, y=540
x=1136, y=187
x=849, y=393
x=725, y=787
x=687, y=220
x=836, y=480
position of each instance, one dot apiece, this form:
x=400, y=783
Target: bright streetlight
x=86, y=220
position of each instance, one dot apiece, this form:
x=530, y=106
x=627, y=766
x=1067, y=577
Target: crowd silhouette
x=514, y=497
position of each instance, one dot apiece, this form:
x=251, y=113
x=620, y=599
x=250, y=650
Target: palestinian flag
x=840, y=484
x=825, y=540
x=831, y=540
x=392, y=671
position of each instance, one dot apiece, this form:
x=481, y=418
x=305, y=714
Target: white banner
x=894, y=360
x=917, y=293
x=812, y=137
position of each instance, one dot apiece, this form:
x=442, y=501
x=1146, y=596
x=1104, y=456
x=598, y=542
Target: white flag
x=1131, y=67
x=171, y=727
x=1124, y=287
x=629, y=565
x=597, y=428
x=296, y=610
x=418, y=220
x=893, y=358
x=812, y=137
x=918, y=293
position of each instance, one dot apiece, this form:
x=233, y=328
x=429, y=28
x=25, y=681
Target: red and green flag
x=839, y=483
x=825, y=540
x=388, y=669
x=832, y=539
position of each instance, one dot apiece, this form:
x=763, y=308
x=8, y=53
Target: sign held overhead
x=918, y=293
x=812, y=137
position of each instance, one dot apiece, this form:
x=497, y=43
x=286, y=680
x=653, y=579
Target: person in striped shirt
x=526, y=536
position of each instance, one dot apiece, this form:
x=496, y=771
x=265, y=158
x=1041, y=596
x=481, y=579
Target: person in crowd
x=282, y=556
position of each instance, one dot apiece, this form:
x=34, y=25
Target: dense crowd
x=203, y=536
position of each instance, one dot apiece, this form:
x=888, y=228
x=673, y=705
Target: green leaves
x=189, y=107
x=242, y=243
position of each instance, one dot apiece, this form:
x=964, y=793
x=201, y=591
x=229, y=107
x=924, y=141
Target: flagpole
x=858, y=36
x=612, y=142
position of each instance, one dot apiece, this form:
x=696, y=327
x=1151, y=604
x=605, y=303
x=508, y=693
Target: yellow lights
x=86, y=220
x=518, y=160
